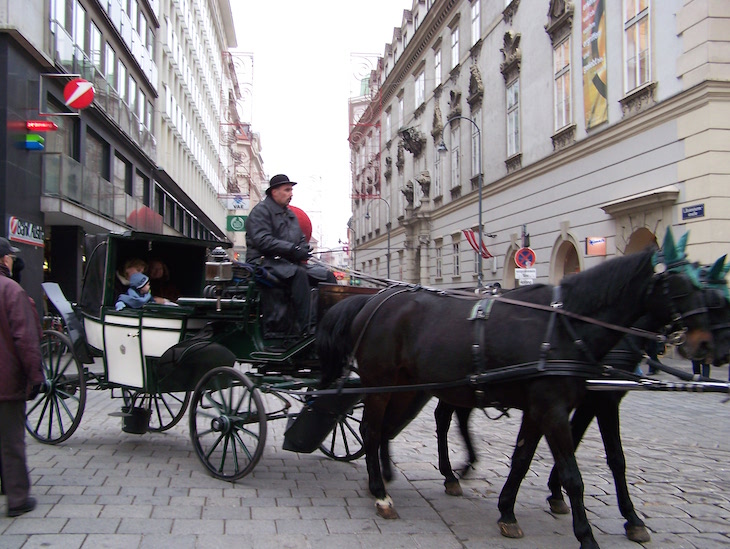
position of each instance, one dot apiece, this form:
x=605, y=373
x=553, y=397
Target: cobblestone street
x=104, y=488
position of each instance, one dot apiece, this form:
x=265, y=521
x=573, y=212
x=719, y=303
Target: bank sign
x=26, y=232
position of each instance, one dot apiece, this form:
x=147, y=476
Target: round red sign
x=525, y=258
x=78, y=93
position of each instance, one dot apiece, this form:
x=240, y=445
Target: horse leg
x=609, y=423
x=462, y=414
x=443, y=415
x=527, y=440
x=371, y=430
x=557, y=433
x=579, y=423
x=385, y=465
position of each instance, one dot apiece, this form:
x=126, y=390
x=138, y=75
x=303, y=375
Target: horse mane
x=597, y=287
x=334, y=339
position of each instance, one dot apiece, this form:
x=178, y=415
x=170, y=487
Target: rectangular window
x=95, y=43
x=457, y=259
x=438, y=176
x=149, y=111
x=439, y=262
x=132, y=95
x=387, y=126
x=476, y=116
x=122, y=82
x=420, y=89
x=513, y=118
x=97, y=154
x=110, y=66
x=476, y=262
x=455, y=156
x=455, y=48
x=401, y=113
x=476, y=29
x=122, y=175
x=561, y=66
x=637, y=47
x=80, y=27
x=437, y=68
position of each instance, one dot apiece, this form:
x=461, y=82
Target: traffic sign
x=525, y=257
x=525, y=277
x=78, y=93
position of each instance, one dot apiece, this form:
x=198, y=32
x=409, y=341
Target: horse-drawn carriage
x=206, y=353
x=537, y=349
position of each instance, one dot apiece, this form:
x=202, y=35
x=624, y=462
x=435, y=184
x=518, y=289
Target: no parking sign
x=525, y=258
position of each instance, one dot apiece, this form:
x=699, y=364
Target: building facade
x=589, y=127
x=146, y=154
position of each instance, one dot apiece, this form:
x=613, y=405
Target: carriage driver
x=275, y=241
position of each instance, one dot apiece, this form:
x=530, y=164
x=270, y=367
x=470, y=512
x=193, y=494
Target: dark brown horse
x=532, y=352
x=604, y=405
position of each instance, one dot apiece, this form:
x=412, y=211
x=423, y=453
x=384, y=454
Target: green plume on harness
x=672, y=257
x=715, y=276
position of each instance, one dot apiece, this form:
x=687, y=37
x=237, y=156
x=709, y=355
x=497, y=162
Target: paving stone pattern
x=106, y=489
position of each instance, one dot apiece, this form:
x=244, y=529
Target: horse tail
x=334, y=341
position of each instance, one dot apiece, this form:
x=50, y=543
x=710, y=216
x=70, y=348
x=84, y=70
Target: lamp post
x=442, y=149
x=387, y=226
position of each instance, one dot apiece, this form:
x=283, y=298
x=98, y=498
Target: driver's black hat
x=278, y=180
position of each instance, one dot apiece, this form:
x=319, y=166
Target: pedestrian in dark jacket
x=275, y=241
x=21, y=376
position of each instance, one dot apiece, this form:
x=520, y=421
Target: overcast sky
x=303, y=75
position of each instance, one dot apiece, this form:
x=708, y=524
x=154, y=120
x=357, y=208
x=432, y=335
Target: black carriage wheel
x=227, y=423
x=167, y=409
x=56, y=412
x=345, y=442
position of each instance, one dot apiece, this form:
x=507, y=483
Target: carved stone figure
x=476, y=86
x=424, y=180
x=407, y=191
x=438, y=125
x=400, y=160
x=454, y=103
x=413, y=140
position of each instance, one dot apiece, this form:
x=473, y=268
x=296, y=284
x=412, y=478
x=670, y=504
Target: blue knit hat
x=138, y=280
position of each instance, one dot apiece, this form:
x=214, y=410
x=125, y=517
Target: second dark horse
x=406, y=336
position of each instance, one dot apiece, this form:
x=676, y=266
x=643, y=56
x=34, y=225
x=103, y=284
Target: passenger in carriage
x=131, y=266
x=138, y=293
x=163, y=290
x=274, y=240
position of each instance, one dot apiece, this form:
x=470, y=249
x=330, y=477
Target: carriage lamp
x=218, y=268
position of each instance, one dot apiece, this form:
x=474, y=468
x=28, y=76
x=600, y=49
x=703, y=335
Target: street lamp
x=442, y=149
x=387, y=226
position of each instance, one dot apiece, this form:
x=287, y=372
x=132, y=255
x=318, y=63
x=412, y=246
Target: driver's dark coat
x=272, y=233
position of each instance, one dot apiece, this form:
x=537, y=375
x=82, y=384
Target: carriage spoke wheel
x=56, y=412
x=227, y=423
x=345, y=441
x=167, y=408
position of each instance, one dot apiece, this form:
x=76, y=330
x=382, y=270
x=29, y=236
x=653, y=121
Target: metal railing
x=65, y=178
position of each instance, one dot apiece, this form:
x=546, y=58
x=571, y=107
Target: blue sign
x=690, y=212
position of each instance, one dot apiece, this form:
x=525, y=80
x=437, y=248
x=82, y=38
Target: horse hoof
x=637, y=533
x=558, y=506
x=510, y=530
x=453, y=488
x=384, y=508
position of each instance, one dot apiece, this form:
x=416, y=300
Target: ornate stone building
x=590, y=127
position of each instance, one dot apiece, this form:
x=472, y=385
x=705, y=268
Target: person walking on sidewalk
x=21, y=376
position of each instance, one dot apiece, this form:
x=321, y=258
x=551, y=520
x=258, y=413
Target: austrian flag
x=474, y=242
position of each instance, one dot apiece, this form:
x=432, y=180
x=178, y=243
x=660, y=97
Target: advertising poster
x=595, y=94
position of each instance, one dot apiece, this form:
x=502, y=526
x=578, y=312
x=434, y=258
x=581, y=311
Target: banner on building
x=473, y=240
x=595, y=76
